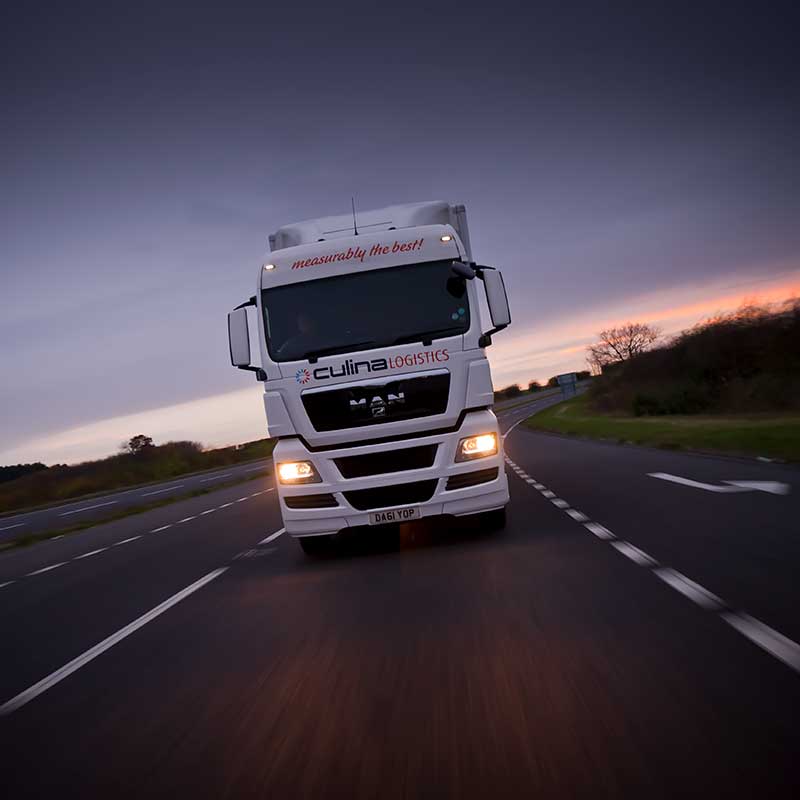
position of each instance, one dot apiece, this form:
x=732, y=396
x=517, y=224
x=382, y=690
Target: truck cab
x=372, y=336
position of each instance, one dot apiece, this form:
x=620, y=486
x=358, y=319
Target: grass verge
x=772, y=436
x=26, y=540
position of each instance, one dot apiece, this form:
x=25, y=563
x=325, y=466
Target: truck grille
x=376, y=403
x=401, y=494
x=386, y=462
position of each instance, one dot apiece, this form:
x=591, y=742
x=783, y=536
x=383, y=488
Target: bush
x=747, y=361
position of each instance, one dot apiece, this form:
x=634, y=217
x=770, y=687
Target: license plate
x=395, y=515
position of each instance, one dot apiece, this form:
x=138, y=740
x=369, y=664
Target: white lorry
x=376, y=384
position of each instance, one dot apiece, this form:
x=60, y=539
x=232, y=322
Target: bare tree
x=620, y=344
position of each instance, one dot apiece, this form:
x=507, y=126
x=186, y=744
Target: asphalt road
x=99, y=507
x=635, y=639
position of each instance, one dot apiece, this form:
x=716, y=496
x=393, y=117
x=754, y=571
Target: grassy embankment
x=731, y=384
x=125, y=470
x=760, y=435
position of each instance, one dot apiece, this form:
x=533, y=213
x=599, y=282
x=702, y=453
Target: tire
x=494, y=520
x=316, y=545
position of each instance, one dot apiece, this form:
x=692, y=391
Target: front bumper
x=484, y=496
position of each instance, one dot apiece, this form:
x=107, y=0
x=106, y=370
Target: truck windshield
x=362, y=310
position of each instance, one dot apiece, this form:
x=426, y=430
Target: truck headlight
x=297, y=472
x=485, y=444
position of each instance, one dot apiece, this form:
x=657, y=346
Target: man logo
x=378, y=407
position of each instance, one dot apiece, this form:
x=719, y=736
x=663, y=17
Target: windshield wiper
x=427, y=336
x=313, y=355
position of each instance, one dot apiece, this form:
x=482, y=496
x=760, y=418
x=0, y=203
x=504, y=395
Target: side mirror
x=239, y=338
x=496, y=298
x=463, y=270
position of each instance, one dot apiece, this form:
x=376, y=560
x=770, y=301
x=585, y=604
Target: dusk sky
x=616, y=164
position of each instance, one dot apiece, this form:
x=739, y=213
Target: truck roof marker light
x=269, y=267
x=447, y=238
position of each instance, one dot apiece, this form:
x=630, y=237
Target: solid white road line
x=599, y=531
x=694, y=591
x=55, y=677
x=162, y=528
x=767, y=638
x=634, y=554
x=511, y=429
x=87, y=508
x=9, y=527
x=90, y=553
x=273, y=536
x=129, y=539
x=159, y=491
x=45, y=569
x=7, y=583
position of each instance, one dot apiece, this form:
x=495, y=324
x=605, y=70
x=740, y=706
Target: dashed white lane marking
x=55, y=677
x=166, y=489
x=216, y=477
x=559, y=503
x=766, y=638
x=688, y=588
x=599, y=531
x=45, y=569
x=273, y=536
x=60, y=536
x=225, y=505
x=90, y=553
x=185, y=519
x=548, y=494
x=87, y=508
x=260, y=466
x=162, y=528
x=242, y=499
x=207, y=511
x=530, y=481
x=7, y=583
x=129, y=539
x=9, y=527
x=634, y=554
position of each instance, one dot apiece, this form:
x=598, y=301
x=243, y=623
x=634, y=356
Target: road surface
x=624, y=636
x=99, y=507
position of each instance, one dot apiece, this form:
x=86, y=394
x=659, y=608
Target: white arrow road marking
x=773, y=487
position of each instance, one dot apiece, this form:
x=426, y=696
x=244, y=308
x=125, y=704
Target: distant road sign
x=567, y=382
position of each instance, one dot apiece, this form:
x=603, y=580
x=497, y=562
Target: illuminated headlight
x=485, y=444
x=297, y=472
